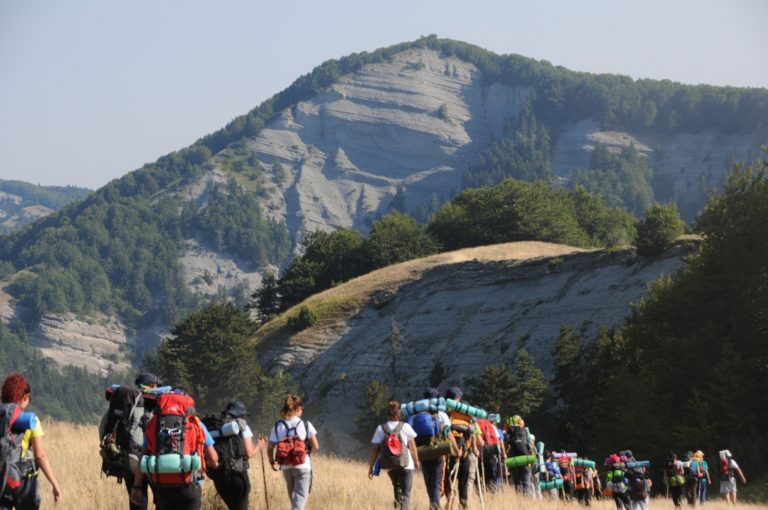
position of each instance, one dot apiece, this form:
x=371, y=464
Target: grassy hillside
x=337, y=483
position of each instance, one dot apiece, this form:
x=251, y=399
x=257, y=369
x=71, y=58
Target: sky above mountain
x=90, y=90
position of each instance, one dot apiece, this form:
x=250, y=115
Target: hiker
x=674, y=479
x=121, y=431
x=639, y=488
x=552, y=473
x=467, y=439
x=728, y=469
x=491, y=455
x=582, y=484
x=565, y=464
x=177, y=450
x=616, y=481
x=519, y=445
x=25, y=451
x=431, y=429
x=234, y=443
x=690, y=487
x=700, y=468
x=292, y=441
x=394, y=449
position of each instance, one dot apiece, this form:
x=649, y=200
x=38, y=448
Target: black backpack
x=393, y=453
x=638, y=489
x=122, y=435
x=231, y=448
x=518, y=442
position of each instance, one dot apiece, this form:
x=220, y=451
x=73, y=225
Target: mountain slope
x=464, y=309
x=398, y=127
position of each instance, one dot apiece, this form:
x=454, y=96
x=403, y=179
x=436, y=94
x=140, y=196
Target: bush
x=304, y=319
x=658, y=230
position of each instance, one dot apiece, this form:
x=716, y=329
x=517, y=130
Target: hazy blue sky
x=92, y=89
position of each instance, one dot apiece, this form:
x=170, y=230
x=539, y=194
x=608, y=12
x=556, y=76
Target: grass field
x=337, y=484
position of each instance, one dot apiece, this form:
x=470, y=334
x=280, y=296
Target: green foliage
x=266, y=300
x=397, y=238
x=521, y=211
x=658, y=230
x=695, y=349
x=528, y=385
x=231, y=222
x=306, y=318
x=516, y=390
x=68, y=393
x=210, y=355
x=523, y=154
x=623, y=180
x=373, y=412
x=437, y=374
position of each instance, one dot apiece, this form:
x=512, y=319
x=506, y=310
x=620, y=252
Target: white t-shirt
x=305, y=431
x=406, y=435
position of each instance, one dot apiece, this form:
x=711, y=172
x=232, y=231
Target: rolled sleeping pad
x=639, y=464
x=550, y=485
x=435, y=450
x=169, y=463
x=159, y=390
x=540, y=447
x=461, y=407
x=540, y=452
x=521, y=460
x=418, y=406
x=231, y=428
x=26, y=420
x=557, y=455
x=583, y=463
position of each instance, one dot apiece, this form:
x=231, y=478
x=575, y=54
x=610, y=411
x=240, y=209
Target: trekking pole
x=264, y=477
x=454, y=477
x=482, y=487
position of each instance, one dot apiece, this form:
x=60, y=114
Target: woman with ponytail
x=291, y=442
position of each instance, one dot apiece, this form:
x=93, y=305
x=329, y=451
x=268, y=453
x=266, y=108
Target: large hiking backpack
x=174, y=442
x=292, y=449
x=724, y=468
x=638, y=488
x=228, y=442
x=674, y=472
x=122, y=436
x=10, y=447
x=426, y=426
x=518, y=442
x=490, y=439
x=393, y=453
x=564, y=463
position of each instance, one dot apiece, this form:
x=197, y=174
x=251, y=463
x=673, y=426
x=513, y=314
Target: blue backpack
x=426, y=426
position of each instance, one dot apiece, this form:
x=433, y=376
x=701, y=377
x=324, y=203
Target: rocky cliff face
x=466, y=315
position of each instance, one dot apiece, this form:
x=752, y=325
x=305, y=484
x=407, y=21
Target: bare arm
x=42, y=460
x=314, y=444
x=252, y=449
x=211, y=457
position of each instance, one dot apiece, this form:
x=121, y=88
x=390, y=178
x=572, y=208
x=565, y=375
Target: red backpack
x=10, y=447
x=292, y=449
x=174, y=434
x=489, y=432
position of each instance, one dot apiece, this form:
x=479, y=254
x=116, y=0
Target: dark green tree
x=397, y=238
x=528, y=385
x=658, y=230
x=209, y=354
x=493, y=389
x=373, y=411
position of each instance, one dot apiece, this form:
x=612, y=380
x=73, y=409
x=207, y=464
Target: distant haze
x=90, y=90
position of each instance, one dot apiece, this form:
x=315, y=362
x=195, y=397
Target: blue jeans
x=402, y=481
x=703, y=485
x=298, y=482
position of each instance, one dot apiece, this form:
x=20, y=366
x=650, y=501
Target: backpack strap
x=398, y=428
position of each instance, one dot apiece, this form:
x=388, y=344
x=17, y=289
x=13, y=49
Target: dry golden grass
x=338, y=483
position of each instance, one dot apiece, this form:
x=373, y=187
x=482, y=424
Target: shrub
x=304, y=319
x=658, y=230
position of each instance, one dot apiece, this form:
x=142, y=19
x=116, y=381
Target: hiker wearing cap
x=469, y=440
x=291, y=443
x=19, y=487
x=432, y=431
x=728, y=469
x=233, y=441
x=394, y=449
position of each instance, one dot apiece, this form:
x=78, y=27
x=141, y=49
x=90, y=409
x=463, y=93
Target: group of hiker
x=151, y=437
x=460, y=448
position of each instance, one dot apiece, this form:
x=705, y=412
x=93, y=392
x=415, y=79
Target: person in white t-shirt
x=728, y=470
x=296, y=465
x=402, y=477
